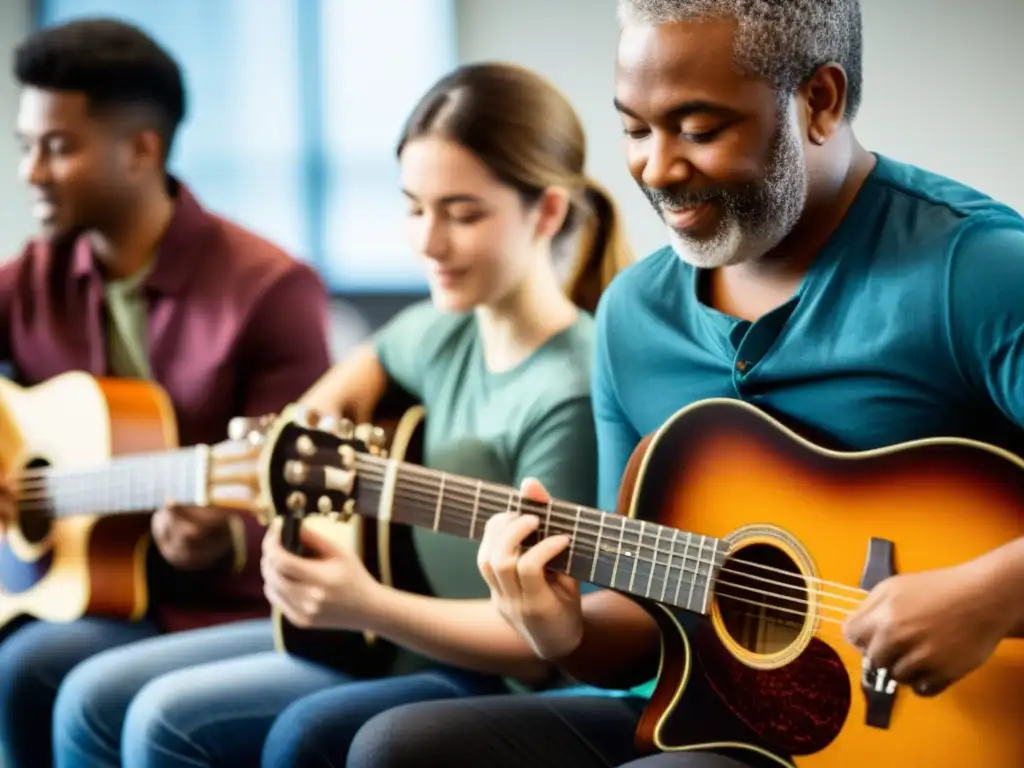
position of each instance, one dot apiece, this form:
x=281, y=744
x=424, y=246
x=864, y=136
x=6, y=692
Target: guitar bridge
x=878, y=687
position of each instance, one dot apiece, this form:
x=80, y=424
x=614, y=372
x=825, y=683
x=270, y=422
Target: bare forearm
x=620, y=647
x=351, y=388
x=464, y=633
x=1006, y=576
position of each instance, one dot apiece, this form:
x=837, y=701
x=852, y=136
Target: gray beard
x=756, y=217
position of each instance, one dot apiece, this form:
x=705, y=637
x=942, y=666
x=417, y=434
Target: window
x=294, y=108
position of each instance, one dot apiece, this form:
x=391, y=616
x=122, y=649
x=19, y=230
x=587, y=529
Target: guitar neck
x=643, y=559
x=133, y=483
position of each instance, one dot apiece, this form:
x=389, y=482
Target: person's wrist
x=379, y=607
x=999, y=583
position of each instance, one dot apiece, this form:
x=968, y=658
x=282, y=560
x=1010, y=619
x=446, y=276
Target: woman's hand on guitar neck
x=328, y=589
x=543, y=606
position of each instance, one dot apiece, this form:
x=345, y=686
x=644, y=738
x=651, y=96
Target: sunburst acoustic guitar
x=92, y=458
x=749, y=545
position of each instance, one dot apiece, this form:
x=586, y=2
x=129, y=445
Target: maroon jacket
x=235, y=327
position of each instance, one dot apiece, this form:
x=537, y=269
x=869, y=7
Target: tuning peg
x=306, y=417
x=295, y=472
x=345, y=429
x=362, y=433
x=296, y=502
x=305, y=446
x=248, y=428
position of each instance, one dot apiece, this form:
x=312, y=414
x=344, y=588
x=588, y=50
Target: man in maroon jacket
x=135, y=279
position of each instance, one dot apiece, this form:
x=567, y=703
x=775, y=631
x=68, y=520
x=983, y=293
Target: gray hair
x=782, y=41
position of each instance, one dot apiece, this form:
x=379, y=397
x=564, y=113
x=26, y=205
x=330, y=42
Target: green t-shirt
x=127, y=355
x=534, y=420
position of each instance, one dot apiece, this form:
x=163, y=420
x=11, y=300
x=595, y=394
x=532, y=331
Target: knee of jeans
x=397, y=738
x=156, y=724
x=21, y=683
x=294, y=737
x=78, y=717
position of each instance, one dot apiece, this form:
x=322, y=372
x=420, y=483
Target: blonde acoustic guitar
x=93, y=458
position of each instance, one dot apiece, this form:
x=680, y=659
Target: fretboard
x=134, y=483
x=643, y=559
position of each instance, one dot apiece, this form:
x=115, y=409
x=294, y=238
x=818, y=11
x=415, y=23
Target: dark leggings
x=547, y=731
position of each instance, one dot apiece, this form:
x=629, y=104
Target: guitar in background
x=92, y=459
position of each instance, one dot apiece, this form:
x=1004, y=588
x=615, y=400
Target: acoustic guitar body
x=770, y=675
x=387, y=550
x=63, y=569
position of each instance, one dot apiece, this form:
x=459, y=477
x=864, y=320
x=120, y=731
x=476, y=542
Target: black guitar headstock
x=311, y=468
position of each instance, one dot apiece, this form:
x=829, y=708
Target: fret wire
x=572, y=538
x=707, y=576
x=693, y=581
x=476, y=507
x=440, y=498
x=636, y=557
x=650, y=576
x=668, y=569
x=597, y=549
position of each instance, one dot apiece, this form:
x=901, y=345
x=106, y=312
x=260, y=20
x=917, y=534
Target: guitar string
x=495, y=505
x=559, y=510
x=583, y=548
x=39, y=475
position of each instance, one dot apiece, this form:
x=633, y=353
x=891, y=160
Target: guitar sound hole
x=33, y=512
x=762, y=598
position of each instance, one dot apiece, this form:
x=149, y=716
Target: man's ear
x=824, y=102
x=147, y=149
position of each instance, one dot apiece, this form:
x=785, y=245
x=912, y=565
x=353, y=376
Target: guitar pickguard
x=796, y=710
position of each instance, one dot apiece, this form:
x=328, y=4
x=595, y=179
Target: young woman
x=492, y=166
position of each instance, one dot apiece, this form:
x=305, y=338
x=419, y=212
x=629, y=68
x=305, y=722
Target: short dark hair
x=113, y=63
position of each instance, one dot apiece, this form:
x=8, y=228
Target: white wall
x=943, y=89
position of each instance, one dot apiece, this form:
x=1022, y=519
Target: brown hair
x=522, y=128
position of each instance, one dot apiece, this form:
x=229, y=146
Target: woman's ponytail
x=603, y=248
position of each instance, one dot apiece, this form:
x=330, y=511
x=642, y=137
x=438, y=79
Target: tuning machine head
x=252, y=429
x=374, y=438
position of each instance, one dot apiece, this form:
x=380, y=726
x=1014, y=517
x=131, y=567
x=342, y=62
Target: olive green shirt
x=127, y=353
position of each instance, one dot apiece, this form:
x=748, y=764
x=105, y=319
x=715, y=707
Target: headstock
x=312, y=468
x=234, y=473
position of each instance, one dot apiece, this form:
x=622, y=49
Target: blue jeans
x=210, y=697
x=318, y=729
x=35, y=656
x=103, y=695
